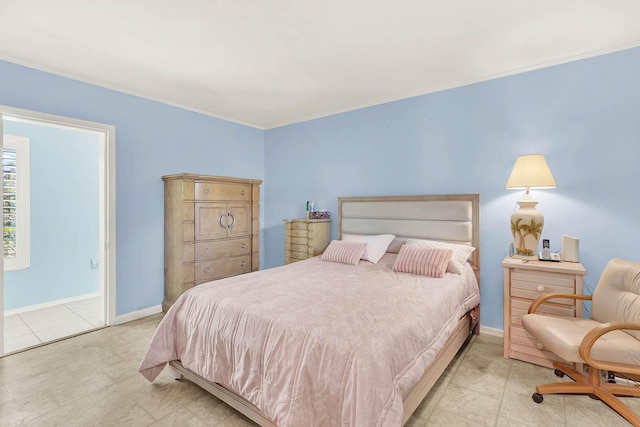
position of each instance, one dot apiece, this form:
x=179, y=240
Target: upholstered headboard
x=451, y=218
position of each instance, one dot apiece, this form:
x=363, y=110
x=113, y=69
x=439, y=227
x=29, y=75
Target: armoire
x=211, y=228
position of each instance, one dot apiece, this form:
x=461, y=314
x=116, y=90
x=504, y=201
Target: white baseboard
x=139, y=314
x=51, y=304
x=491, y=331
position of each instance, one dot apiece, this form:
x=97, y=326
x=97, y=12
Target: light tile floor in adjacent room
x=93, y=380
x=43, y=325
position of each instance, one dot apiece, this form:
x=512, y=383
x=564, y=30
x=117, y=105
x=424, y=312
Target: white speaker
x=570, y=248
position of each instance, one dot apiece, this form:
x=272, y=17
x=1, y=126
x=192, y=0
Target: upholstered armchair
x=608, y=341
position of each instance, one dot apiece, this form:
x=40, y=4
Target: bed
x=339, y=344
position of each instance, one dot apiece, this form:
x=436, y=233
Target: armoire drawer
x=217, y=191
x=217, y=269
x=222, y=248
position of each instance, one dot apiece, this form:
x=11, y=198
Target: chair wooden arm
x=590, y=339
x=542, y=298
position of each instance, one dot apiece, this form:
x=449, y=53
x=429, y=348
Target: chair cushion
x=617, y=295
x=563, y=335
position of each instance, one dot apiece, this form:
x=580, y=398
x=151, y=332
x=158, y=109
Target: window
x=15, y=202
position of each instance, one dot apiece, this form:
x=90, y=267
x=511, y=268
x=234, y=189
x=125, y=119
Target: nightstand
x=305, y=238
x=524, y=281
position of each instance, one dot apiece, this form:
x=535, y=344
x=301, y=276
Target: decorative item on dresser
x=524, y=281
x=305, y=238
x=212, y=230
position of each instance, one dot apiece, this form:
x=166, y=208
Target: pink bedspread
x=315, y=343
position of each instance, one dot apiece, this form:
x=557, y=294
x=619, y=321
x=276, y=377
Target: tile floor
x=92, y=380
x=35, y=327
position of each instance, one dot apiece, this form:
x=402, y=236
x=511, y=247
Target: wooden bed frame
x=450, y=217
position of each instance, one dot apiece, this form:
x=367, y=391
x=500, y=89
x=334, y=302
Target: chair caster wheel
x=594, y=397
x=537, y=397
x=558, y=373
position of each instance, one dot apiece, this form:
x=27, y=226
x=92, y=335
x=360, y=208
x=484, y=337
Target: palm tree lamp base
x=526, y=228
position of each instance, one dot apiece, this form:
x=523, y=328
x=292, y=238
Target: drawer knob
x=242, y=246
x=205, y=250
x=207, y=270
x=540, y=346
x=242, y=192
x=205, y=191
x=242, y=263
x=540, y=288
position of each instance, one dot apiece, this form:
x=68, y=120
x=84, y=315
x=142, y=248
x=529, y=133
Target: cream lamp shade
x=529, y=171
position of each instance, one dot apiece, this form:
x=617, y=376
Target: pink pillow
x=424, y=261
x=460, y=255
x=344, y=252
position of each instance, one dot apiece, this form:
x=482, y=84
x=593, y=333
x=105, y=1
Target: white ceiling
x=270, y=63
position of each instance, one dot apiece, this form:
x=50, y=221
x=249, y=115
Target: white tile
x=98, y=323
x=67, y=318
x=18, y=343
x=13, y=320
x=16, y=331
x=89, y=314
x=90, y=305
x=65, y=330
x=44, y=313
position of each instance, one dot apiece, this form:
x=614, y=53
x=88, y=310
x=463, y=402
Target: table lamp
x=529, y=171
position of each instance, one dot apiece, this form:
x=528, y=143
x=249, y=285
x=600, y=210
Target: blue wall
x=152, y=139
x=64, y=216
x=583, y=116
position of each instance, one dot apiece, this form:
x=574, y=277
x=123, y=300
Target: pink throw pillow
x=344, y=252
x=424, y=261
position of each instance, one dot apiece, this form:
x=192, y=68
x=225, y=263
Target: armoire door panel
x=240, y=220
x=211, y=221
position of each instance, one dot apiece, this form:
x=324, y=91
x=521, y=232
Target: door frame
x=107, y=204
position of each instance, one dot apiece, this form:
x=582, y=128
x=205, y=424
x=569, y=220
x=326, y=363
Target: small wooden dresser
x=212, y=230
x=523, y=283
x=305, y=238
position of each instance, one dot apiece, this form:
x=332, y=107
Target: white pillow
x=376, y=245
x=460, y=252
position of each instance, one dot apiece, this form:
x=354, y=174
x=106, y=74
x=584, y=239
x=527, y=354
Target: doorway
x=59, y=228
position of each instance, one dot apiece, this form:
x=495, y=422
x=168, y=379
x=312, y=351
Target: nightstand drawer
x=531, y=285
x=299, y=248
x=546, y=357
x=298, y=240
x=520, y=336
x=298, y=233
x=298, y=255
x=533, y=294
x=543, y=278
x=526, y=344
x=298, y=225
x=520, y=307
